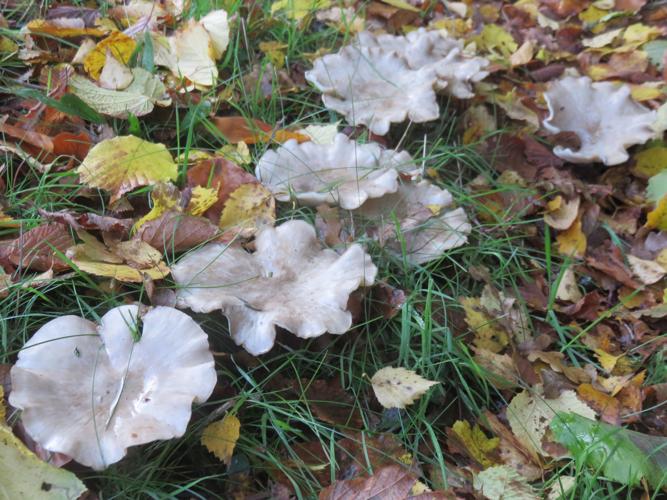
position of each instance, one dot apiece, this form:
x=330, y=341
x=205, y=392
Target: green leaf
x=657, y=187
x=622, y=455
x=147, y=56
x=656, y=52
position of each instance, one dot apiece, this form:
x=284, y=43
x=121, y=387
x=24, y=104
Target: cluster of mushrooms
x=91, y=390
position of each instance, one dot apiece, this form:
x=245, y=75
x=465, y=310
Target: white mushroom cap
x=290, y=281
x=374, y=87
x=426, y=228
x=423, y=48
x=602, y=114
x=344, y=172
x=91, y=392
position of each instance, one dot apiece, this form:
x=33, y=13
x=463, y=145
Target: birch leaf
x=249, y=206
x=124, y=163
x=24, y=475
x=398, y=387
x=503, y=482
x=220, y=437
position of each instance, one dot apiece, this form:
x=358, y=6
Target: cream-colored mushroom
x=374, y=87
x=602, y=114
x=344, y=173
x=421, y=48
x=91, y=391
x=290, y=281
x=424, y=225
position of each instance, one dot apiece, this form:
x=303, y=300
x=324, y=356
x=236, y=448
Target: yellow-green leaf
x=249, y=206
x=121, y=47
x=220, y=437
x=124, y=163
x=478, y=445
x=24, y=475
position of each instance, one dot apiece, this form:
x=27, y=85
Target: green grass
x=427, y=334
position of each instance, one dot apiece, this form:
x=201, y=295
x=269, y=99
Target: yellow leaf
x=124, y=163
x=638, y=33
x=201, y=200
x=523, y=55
x=592, y=14
x=478, y=445
x=275, y=52
x=502, y=482
x=650, y=162
x=121, y=47
x=220, y=437
x=657, y=218
x=573, y=241
x=249, y=206
x=298, y=9
x=3, y=412
x=398, y=387
x=41, y=26
x=122, y=272
x=645, y=92
x=238, y=153
x=494, y=38
x=530, y=413
x=165, y=196
x=24, y=475
x=607, y=361
x=488, y=334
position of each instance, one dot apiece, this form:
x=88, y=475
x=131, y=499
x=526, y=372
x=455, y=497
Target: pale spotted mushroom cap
x=426, y=225
x=374, y=87
x=344, y=173
x=421, y=48
x=602, y=114
x=290, y=281
x=90, y=391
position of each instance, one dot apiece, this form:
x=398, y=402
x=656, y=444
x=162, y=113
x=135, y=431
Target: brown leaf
x=239, y=129
x=387, y=300
x=176, y=232
x=330, y=402
x=68, y=144
x=35, y=248
x=42, y=142
x=222, y=174
x=389, y=483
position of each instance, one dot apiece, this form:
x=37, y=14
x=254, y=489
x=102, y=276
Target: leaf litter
x=290, y=224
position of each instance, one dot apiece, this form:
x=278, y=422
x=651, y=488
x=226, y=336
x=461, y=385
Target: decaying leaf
x=530, y=413
x=39, y=248
x=398, y=387
x=124, y=163
x=502, y=482
x=476, y=442
x=489, y=334
x=24, y=475
x=175, y=232
x=220, y=437
x=391, y=482
x=249, y=207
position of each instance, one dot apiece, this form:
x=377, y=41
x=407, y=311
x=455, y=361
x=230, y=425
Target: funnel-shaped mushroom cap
x=422, y=48
x=424, y=225
x=290, y=281
x=602, y=114
x=374, y=87
x=91, y=392
x=344, y=172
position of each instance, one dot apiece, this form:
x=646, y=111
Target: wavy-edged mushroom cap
x=290, y=281
x=374, y=87
x=422, y=48
x=343, y=173
x=602, y=114
x=425, y=226
x=91, y=391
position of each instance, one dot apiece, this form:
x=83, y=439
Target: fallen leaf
x=298, y=9
x=572, y=242
x=37, y=249
x=479, y=446
x=119, y=45
x=220, y=437
x=24, y=475
x=529, y=414
x=248, y=207
x=389, y=483
x=568, y=289
x=488, y=333
x=55, y=29
x=398, y=387
x=605, y=405
x=124, y=163
x=115, y=75
x=176, y=232
x=201, y=199
x=502, y=482
x=646, y=271
x=239, y=129
x=621, y=455
x=650, y=162
x=562, y=213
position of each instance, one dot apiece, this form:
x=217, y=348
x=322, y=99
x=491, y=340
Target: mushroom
x=290, y=281
x=374, y=87
x=343, y=173
x=92, y=391
x=422, y=48
x=602, y=114
x=423, y=225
